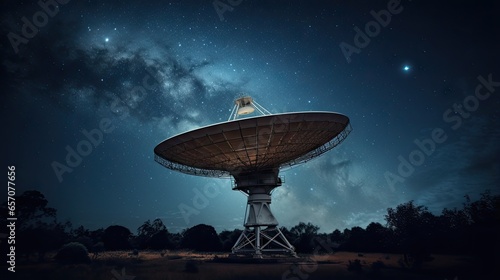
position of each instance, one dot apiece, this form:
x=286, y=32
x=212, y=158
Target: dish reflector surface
x=253, y=144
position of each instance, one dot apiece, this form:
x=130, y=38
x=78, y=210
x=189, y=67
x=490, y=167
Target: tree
x=377, y=238
x=202, y=238
x=485, y=211
x=80, y=231
x=160, y=240
x=82, y=236
x=229, y=238
x=37, y=229
x=31, y=209
x=453, y=232
x=346, y=234
x=175, y=240
x=484, y=218
x=303, y=235
x=116, y=238
x=148, y=228
x=413, y=227
x=357, y=240
x=153, y=235
x=336, y=236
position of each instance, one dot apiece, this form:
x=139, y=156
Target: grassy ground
x=186, y=265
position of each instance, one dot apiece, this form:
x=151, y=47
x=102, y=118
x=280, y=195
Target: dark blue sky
x=136, y=73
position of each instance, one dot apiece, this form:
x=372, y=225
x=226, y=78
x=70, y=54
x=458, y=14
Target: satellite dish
x=252, y=151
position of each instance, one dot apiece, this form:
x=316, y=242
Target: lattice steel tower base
x=261, y=234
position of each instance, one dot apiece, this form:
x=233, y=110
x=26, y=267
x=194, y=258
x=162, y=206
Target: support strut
x=261, y=234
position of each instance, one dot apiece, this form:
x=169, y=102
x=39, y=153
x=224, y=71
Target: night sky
x=419, y=81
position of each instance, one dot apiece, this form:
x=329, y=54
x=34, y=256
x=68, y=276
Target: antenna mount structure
x=252, y=150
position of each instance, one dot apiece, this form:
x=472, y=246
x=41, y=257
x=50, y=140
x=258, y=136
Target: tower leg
x=258, y=252
x=257, y=242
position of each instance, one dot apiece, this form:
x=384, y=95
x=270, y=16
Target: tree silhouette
x=357, y=240
x=82, y=236
x=37, y=229
x=377, y=238
x=484, y=218
x=31, y=209
x=116, y=238
x=160, y=240
x=153, y=235
x=410, y=229
x=148, y=229
x=302, y=237
x=451, y=232
x=229, y=238
x=412, y=225
x=337, y=237
x=202, y=238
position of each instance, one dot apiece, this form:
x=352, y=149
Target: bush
x=96, y=249
x=73, y=252
x=116, y=238
x=134, y=253
x=201, y=238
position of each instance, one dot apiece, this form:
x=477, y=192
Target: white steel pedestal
x=262, y=234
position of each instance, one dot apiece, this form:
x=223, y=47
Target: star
x=107, y=39
x=406, y=68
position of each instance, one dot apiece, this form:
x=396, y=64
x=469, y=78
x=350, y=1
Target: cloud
x=143, y=78
x=330, y=197
x=467, y=163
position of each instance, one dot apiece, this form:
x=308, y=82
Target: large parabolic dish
x=253, y=150
x=252, y=144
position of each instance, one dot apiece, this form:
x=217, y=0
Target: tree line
x=410, y=229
